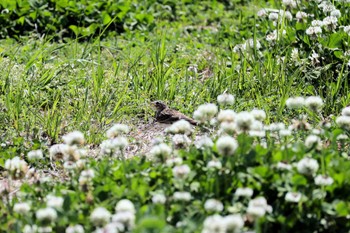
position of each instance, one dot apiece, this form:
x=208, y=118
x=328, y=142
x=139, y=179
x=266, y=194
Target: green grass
x=49, y=88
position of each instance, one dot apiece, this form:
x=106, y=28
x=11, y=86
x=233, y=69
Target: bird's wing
x=170, y=115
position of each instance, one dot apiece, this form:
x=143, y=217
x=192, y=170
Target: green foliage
x=186, y=53
x=322, y=207
x=63, y=18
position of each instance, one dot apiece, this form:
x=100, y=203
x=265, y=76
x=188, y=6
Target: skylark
x=168, y=116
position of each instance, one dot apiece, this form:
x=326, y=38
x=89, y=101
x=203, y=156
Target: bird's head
x=159, y=105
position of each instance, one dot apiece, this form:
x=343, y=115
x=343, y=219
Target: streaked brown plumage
x=169, y=116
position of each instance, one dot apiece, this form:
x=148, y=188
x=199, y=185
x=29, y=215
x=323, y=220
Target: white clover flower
x=71, y=153
x=258, y=207
x=251, y=44
x=314, y=31
x=117, y=130
x=347, y=29
x=275, y=127
x=214, y=224
x=174, y=161
x=46, y=215
x=312, y=140
x=280, y=60
x=301, y=16
x=343, y=122
x=81, y=163
x=342, y=137
x=226, y=145
x=257, y=133
x=69, y=166
x=314, y=58
x=181, y=171
x=21, y=208
x=35, y=155
x=213, y=122
x=294, y=55
x=307, y=166
x=317, y=131
x=330, y=22
x=74, y=138
x=314, y=103
x=160, y=151
x=326, y=7
x=285, y=132
x=226, y=99
x=16, y=167
x=204, y=142
x=53, y=201
x=30, y=229
x=289, y=3
x=273, y=16
x=257, y=126
x=256, y=211
x=108, y=147
x=228, y=127
x=286, y=14
x=214, y=164
x=271, y=37
x=182, y=196
x=82, y=152
x=323, y=180
x=180, y=127
x=226, y=115
x=317, y=23
x=293, y=197
x=213, y=205
x=205, y=112
x=112, y=227
x=58, y=151
x=336, y=13
x=126, y=218
x=237, y=48
x=120, y=142
x=75, y=229
x=233, y=222
x=86, y=177
x=295, y=102
x=89, y=173
x=284, y=166
x=111, y=146
x=345, y=111
x=244, y=192
x=100, y=216
x=244, y=121
x=181, y=140
x=125, y=205
x=158, y=198
x=44, y=229
x=262, y=13
x=258, y=114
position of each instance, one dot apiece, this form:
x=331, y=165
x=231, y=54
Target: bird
x=167, y=115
